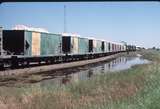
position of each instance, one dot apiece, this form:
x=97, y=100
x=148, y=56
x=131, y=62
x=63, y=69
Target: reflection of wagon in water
x=24, y=48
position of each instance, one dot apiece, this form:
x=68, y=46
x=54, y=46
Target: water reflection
x=86, y=72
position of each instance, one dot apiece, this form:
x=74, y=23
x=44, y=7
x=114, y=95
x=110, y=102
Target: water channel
x=86, y=72
x=61, y=77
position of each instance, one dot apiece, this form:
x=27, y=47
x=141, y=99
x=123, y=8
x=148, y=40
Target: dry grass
x=97, y=91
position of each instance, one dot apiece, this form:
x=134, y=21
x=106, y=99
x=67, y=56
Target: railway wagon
x=96, y=46
x=130, y=48
x=70, y=44
x=119, y=47
x=116, y=47
x=99, y=46
x=74, y=44
x=27, y=48
x=31, y=43
x=51, y=44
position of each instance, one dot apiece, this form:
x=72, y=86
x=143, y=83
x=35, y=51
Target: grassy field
x=135, y=88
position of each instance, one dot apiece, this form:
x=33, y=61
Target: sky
x=133, y=22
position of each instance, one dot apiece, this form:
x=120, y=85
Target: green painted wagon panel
x=83, y=45
x=56, y=43
x=44, y=43
x=50, y=44
x=28, y=43
x=111, y=47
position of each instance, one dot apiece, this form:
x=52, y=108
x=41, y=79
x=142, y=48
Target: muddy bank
x=53, y=67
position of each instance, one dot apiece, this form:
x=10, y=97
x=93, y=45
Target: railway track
x=17, y=62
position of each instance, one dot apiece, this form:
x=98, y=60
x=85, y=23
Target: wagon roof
x=34, y=31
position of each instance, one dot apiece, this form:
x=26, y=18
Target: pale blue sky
x=134, y=22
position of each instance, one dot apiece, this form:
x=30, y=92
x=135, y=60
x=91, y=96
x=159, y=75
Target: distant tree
x=153, y=48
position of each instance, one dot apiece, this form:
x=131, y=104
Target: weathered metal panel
x=94, y=45
x=111, y=47
x=117, y=47
x=74, y=45
x=98, y=46
x=83, y=45
x=124, y=47
x=50, y=44
x=36, y=43
x=106, y=46
x=55, y=43
x=28, y=43
x=70, y=44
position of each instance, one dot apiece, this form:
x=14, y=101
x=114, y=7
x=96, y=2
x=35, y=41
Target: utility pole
x=65, y=29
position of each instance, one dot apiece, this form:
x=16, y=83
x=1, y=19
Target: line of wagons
x=23, y=47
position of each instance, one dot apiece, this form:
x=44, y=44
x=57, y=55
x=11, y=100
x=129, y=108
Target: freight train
x=23, y=48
